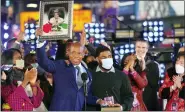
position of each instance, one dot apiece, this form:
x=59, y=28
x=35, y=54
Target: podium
x=111, y=109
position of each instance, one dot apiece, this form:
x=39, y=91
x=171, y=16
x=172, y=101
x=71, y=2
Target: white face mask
x=34, y=65
x=179, y=69
x=107, y=63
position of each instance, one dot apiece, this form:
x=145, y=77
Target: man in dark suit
x=152, y=73
x=68, y=91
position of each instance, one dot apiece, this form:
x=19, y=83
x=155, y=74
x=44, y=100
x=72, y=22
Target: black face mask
x=92, y=64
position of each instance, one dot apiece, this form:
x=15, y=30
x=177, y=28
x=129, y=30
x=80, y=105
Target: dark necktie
x=79, y=79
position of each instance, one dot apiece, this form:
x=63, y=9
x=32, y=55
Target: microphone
x=84, y=78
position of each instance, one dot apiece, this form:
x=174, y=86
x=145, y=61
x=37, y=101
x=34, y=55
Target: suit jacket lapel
x=89, y=75
x=73, y=76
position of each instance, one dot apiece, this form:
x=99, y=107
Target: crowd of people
x=44, y=83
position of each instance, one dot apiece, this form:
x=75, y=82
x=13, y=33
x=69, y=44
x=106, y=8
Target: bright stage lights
x=26, y=31
x=155, y=23
x=127, y=50
x=160, y=22
x=116, y=51
x=32, y=25
x=102, y=40
x=102, y=25
x=161, y=38
x=132, y=45
x=116, y=57
x=151, y=34
x=91, y=30
x=145, y=23
x=32, y=36
x=97, y=41
x=160, y=28
x=6, y=27
x=121, y=51
x=156, y=34
x=145, y=34
x=156, y=28
x=97, y=30
x=6, y=35
x=150, y=23
x=161, y=33
x=126, y=46
x=97, y=36
x=150, y=39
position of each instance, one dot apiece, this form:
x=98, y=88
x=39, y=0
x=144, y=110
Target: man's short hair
x=100, y=49
x=142, y=40
x=70, y=44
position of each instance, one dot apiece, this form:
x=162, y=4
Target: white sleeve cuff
x=17, y=42
x=98, y=101
x=40, y=44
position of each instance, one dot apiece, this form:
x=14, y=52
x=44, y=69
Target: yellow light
x=77, y=6
x=25, y=16
x=177, y=25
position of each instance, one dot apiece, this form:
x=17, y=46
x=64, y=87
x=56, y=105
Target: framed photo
x=56, y=19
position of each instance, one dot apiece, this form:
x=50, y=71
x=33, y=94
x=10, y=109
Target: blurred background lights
x=161, y=33
x=145, y=34
x=31, y=25
x=150, y=23
x=116, y=57
x=32, y=36
x=121, y=51
x=126, y=46
x=150, y=34
x=97, y=25
x=160, y=22
x=6, y=26
x=156, y=34
x=97, y=30
x=155, y=23
x=102, y=40
x=102, y=25
x=116, y=51
x=161, y=38
x=160, y=28
x=132, y=45
x=145, y=23
x=126, y=50
x=156, y=28
x=86, y=25
x=6, y=35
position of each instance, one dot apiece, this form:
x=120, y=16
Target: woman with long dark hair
x=14, y=88
x=135, y=70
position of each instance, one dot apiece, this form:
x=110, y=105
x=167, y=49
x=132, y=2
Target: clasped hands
x=177, y=81
x=30, y=76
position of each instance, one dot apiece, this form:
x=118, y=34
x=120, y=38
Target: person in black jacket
x=109, y=81
x=150, y=97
